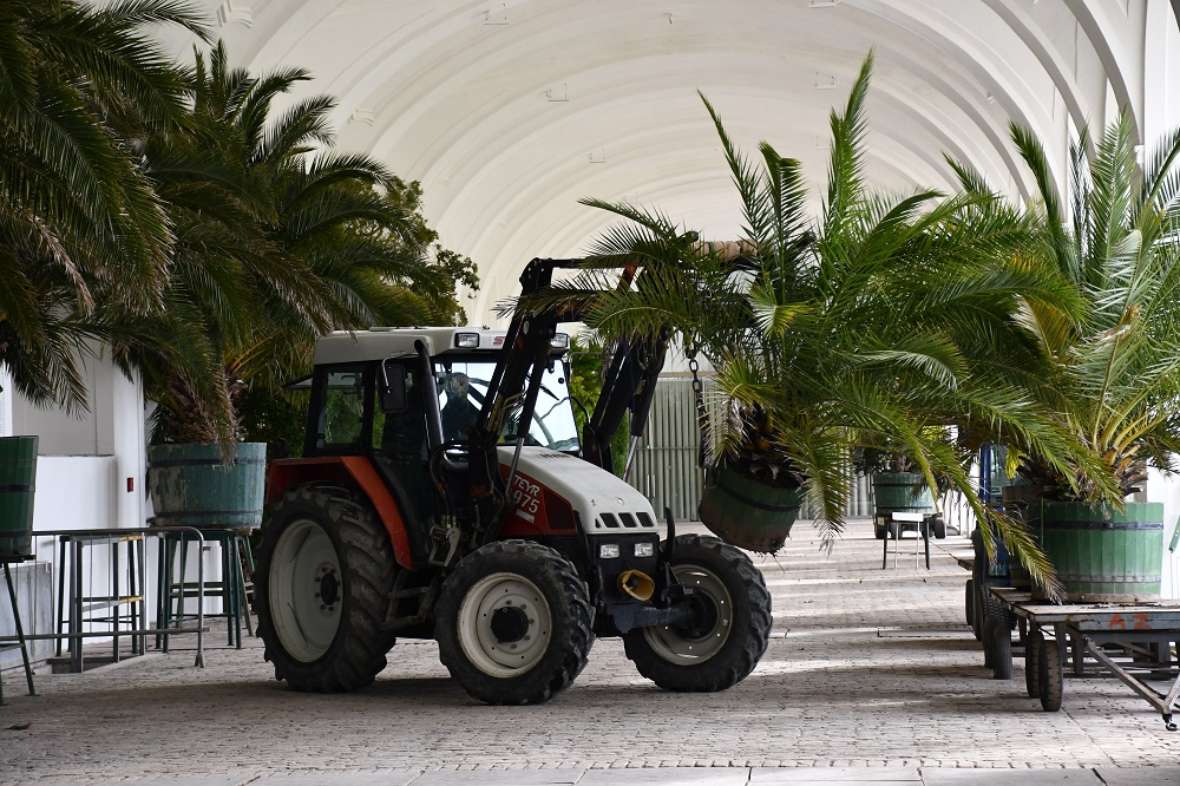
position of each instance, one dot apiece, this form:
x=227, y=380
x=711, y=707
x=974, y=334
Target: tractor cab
x=373, y=394
x=444, y=492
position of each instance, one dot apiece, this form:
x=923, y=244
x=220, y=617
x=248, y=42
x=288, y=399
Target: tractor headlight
x=560, y=341
x=608, y=551
x=467, y=340
x=645, y=549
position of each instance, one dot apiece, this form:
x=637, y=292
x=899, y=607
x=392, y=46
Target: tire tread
x=366, y=555
x=731, y=665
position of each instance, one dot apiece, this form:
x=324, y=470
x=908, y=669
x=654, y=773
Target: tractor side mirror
x=393, y=388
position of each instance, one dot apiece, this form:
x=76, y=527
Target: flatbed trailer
x=1132, y=641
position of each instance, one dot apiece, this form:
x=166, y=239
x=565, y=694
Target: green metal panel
x=190, y=485
x=18, y=485
x=1102, y=554
x=898, y=492
x=749, y=513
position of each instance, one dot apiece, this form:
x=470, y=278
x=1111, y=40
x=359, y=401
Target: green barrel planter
x=18, y=486
x=901, y=492
x=748, y=513
x=191, y=486
x=1103, y=555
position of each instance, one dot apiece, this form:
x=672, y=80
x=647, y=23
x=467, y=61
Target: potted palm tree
x=85, y=240
x=280, y=238
x=1115, y=374
x=897, y=488
x=883, y=317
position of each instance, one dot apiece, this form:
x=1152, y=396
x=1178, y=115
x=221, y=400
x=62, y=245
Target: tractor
x=445, y=493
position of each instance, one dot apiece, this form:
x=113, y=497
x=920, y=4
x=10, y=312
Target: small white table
x=901, y=521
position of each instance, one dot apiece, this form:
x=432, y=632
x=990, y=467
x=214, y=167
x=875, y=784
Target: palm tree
x=279, y=239
x=1115, y=374
x=80, y=222
x=886, y=321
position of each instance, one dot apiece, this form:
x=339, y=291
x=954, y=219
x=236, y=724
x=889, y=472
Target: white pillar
x=1158, y=23
x=7, y=428
x=127, y=430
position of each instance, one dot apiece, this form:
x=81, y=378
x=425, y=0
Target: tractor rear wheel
x=514, y=623
x=725, y=644
x=324, y=575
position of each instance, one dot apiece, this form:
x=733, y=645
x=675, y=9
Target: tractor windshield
x=462, y=385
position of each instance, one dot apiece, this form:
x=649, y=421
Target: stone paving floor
x=870, y=676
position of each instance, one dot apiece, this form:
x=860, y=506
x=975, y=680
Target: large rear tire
x=724, y=652
x=324, y=575
x=514, y=623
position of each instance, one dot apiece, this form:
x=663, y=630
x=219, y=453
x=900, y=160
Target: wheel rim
x=504, y=625
x=306, y=594
x=686, y=647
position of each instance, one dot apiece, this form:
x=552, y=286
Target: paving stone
x=865, y=668
x=669, y=776
x=835, y=775
x=159, y=780
x=1142, y=776
x=322, y=778
x=792, y=781
x=556, y=777
x=1011, y=777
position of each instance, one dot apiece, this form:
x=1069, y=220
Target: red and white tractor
x=444, y=493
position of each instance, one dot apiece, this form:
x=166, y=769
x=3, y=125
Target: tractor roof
x=376, y=343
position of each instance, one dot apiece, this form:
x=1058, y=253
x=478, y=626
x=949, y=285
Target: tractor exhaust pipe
x=637, y=584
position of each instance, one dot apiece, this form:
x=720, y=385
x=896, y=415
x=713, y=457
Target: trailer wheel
x=735, y=626
x=1051, y=679
x=325, y=570
x=1000, y=638
x=514, y=623
x=976, y=611
x=969, y=602
x=1034, y=650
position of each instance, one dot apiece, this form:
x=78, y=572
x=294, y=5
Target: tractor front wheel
x=325, y=572
x=514, y=623
x=724, y=644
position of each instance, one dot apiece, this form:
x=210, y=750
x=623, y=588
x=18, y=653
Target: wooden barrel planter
x=18, y=486
x=899, y=492
x=190, y=485
x=748, y=513
x=1103, y=555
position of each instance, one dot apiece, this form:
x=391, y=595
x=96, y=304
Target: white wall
x=1166, y=489
x=87, y=432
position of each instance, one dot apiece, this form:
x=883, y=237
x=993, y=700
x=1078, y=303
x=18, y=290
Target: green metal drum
x=748, y=513
x=18, y=485
x=1104, y=555
x=901, y=492
x=190, y=485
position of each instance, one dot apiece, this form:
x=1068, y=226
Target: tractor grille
x=625, y=521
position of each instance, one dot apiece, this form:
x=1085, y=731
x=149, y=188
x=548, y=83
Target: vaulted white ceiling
x=508, y=111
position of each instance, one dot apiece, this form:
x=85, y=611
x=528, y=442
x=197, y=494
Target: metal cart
x=1133, y=641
